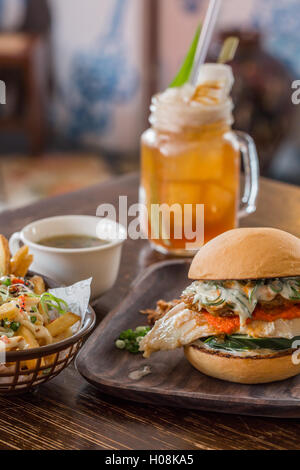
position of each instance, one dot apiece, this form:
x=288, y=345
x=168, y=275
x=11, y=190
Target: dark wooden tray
x=173, y=381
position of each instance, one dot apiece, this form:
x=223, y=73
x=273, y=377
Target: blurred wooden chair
x=23, y=55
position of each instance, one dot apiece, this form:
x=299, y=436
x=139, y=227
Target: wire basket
x=46, y=361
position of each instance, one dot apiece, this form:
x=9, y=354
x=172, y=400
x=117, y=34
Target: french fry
x=24, y=266
x=49, y=359
x=43, y=311
x=58, y=326
x=20, y=262
x=32, y=343
x=64, y=335
x=39, y=285
x=4, y=256
x=18, y=259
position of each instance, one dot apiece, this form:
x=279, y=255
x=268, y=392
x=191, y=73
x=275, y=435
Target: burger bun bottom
x=244, y=370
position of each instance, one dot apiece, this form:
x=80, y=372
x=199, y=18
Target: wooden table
x=68, y=413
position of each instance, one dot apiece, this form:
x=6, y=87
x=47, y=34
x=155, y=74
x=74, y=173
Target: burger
x=239, y=320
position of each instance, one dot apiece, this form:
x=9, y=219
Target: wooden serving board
x=172, y=381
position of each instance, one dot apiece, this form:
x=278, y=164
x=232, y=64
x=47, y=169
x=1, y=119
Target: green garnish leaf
x=296, y=294
x=276, y=286
x=246, y=343
x=33, y=319
x=15, y=325
x=186, y=69
x=6, y=282
x=129, y=340
x=6, y=323
x=49, y=301
x=214, y=303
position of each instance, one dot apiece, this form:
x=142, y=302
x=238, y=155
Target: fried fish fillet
x=181, y=326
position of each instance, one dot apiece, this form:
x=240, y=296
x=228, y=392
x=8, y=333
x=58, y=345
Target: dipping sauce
x=72, y=241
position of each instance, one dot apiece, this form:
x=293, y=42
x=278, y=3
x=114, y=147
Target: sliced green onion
x=129, y=340
x=296, y=295
x=277, y=289
x=141, y=329
x=215, y=302
x=246, y=307
x=15, y=325
x=49, y=300
x=253, y=292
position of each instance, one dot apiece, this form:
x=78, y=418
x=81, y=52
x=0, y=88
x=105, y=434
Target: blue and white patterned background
x=102, y=78
x=98, y=71
x=280, y=21
x=100, y=68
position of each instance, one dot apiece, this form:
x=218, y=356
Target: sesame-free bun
x=244, y=370
x=248, y=253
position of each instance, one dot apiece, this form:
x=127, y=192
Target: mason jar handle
x=251, y=168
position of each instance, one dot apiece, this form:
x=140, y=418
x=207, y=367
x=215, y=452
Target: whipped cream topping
x=194, y=106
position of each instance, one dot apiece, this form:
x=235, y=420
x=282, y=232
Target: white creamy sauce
x=241, y=298
x=139, y=373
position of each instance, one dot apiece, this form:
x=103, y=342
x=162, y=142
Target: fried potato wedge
x=62, y=323
x=21, y=262
x=8, y=311
x=18, y=258
x=32, y=343
x=24, y=266
x=39, y=285
x=4, y=256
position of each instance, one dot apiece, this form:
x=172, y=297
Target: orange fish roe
x=228, y=325
x=22, y=303
x=287, y=314
x=225, y=325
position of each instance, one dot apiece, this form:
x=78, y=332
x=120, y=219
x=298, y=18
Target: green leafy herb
x=49, y=300
x=33, y=319
x=6, y=282
x=186, y=69
x=276, y=286
x=244, y=343
x=129, y=340
x=15, y=325
x=296, y=294
x=214, y=303
x=6, y=323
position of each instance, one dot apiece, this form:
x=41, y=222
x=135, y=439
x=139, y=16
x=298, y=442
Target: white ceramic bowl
x=67, y=266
